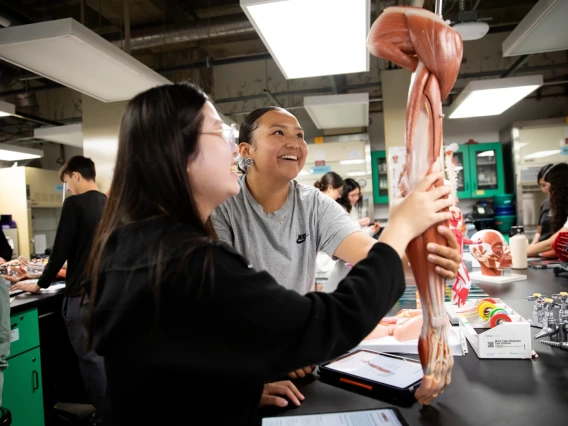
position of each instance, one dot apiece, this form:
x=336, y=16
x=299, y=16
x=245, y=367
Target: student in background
x=543, y=231
x=352, y=201
x=80, y=217
x=5, y=249
x=330, y=184
x=557, y=178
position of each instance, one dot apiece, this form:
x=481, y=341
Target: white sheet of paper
x=354, y=418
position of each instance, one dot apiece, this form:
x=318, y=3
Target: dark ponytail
x=329, y=179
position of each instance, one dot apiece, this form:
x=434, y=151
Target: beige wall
x=13, y=201
x=101, y=124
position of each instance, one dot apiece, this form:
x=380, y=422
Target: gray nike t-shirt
x=286, y=242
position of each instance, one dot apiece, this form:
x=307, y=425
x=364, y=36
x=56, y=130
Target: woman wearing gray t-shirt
x=280, y=225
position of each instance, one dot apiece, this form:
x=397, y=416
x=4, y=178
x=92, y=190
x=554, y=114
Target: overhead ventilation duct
x=223, y=26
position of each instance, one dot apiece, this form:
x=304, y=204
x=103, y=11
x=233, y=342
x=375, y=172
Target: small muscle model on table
x=492, y=251
x=423, y=43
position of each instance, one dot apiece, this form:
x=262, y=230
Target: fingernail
x=431, y=246
x=430, y=257
x=441, y=228
x=283, y=403
x=302, y=397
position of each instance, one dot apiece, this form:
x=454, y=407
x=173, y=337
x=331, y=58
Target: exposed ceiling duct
x=223, y=26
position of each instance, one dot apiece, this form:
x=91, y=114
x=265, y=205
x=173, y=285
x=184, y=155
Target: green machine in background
x=380, y=179
x=480, y=171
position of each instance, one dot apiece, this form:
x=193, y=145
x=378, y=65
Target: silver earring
x=244, y=163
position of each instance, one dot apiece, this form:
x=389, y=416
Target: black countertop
x=25, y=301
x=482, y=392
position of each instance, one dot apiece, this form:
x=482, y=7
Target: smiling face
x=278, y=147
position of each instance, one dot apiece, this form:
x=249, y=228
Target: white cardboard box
x=510, y=340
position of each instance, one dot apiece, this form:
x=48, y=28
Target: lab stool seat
x=5, y=417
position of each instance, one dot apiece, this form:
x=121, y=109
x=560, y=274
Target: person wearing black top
x=188, y=330
x=80, y=217
x=5, y=249
x=544, y=229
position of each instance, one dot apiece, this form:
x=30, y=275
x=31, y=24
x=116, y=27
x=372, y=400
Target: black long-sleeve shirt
x=5, y=249
x=205, y=354
x=80, y=217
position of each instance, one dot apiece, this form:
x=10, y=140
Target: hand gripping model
x=424, y=44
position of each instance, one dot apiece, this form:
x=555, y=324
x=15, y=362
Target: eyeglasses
x=229, y=133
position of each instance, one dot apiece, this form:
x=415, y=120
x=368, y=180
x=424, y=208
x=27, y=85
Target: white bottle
x=518, y=244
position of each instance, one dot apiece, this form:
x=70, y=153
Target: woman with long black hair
x=187, y=328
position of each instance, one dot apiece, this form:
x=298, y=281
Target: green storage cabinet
x=486, y=170
x=480, y=170
x=23, y=392
x=380, y=179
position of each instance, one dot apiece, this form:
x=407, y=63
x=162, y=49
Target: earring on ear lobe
x=248, y=162
x=244, y=163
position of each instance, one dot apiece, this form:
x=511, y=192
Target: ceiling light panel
x=492, y=97
x=7, y=109
x=71, y=134
x=17, y=153
x=309, y=38
x=69, y=53
x=338, y=111
x=543, y=29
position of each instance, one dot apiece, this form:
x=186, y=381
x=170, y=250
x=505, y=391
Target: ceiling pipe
x=222, y=26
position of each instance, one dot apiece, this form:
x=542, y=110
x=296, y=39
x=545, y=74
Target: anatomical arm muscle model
x=423, y=43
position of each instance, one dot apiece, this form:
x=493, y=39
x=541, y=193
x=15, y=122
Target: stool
x=5, y=417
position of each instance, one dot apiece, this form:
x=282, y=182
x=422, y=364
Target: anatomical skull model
x=492, y=251
x=423, y=43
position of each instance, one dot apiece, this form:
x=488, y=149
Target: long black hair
x=159, y=134
x=557, y=176
x=350, y=185
x=542, y=172
x=329, y=179
x=251, y=123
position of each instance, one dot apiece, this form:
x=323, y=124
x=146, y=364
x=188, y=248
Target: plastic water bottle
x=518, y=243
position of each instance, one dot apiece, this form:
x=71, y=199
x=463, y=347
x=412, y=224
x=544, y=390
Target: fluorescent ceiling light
x=309, y=38
x=542, y=154
x=356, y=173
x=338, y=111
x=69, y=53
x=303, y=173
x=349, y=162
x=543, y=29
x=492, y=97
x=71, y=134
x=15, y=153
x=7, y=109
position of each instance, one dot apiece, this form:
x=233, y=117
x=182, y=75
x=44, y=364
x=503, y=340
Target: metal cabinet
x=23, y=391
x=380, y=179
x=480, y=170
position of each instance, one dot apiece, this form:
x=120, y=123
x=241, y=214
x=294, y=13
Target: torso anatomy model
x=423, y=43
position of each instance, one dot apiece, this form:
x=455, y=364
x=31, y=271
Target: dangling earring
x=244, y=163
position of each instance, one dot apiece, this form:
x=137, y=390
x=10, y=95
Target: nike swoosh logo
x=301, y=238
